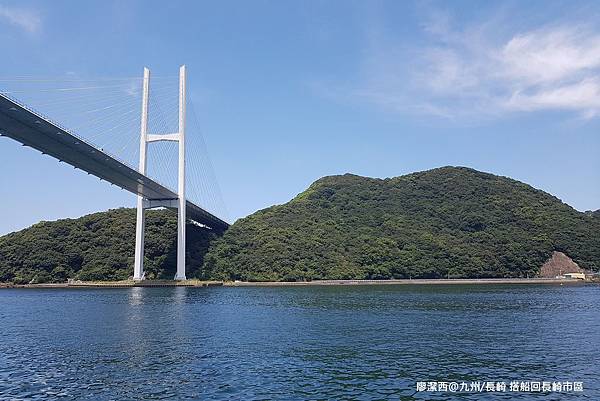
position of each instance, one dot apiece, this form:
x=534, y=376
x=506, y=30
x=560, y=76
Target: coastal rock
x=559, y=264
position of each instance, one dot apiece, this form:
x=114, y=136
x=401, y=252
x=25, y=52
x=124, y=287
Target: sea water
x=377, y=342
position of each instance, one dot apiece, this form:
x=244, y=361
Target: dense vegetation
x=446, y=222
x=595, y=213
x=99, y=246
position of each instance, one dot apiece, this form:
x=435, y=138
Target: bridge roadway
x=31, y=129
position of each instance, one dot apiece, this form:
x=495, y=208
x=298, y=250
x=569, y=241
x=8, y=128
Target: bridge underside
x=31, y=129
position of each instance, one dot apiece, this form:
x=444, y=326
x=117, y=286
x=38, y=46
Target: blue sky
x=289, y=91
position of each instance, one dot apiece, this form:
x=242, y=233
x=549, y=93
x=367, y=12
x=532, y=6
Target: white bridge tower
x=180, y=202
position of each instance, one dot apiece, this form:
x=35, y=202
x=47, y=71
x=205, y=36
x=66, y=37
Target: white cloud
x=550, y=55
x=25, y=19
x=485, y=71
x=583, y=95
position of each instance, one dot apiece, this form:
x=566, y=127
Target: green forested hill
x=446, y=222
x=99, y=246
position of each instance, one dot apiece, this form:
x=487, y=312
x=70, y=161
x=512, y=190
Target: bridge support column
x=142, y=204
x=181, y=215
x=138, y=267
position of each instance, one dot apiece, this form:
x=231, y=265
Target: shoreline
x=479, y=281
x=199, y=283
x=118, y=284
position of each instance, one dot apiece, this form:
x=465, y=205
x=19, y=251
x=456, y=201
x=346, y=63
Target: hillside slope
x=446, y=222
x=98, y=246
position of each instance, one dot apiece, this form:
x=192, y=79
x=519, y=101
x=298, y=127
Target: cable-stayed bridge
x=106, y=120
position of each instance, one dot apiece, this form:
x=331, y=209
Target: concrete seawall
x=119, y=284
x=486, y=281
x=198, y=283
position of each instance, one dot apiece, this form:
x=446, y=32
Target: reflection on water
x=179, y=295
x=354, y=343
x=136, y=295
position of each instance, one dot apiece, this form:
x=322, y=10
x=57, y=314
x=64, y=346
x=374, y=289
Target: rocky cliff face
x=558, y=264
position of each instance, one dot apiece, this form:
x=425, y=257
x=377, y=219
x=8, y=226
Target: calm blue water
x=317, y=343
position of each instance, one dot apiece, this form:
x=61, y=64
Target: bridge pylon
x=180, y=203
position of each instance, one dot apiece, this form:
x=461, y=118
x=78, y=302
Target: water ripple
x=302, y=343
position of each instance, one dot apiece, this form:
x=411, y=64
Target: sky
x=290, y=91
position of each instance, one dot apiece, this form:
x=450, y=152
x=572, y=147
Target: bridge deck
x=31, y=129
